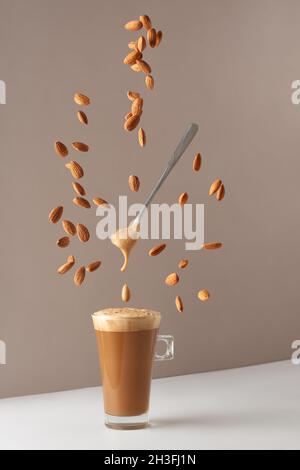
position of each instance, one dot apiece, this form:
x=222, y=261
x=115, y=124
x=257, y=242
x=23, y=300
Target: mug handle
x=169, y=354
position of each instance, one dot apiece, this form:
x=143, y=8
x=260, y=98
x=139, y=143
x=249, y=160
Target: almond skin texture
x=156, y=250
x=133, y=25
x=126, y=295
x=144, y=66
x=132, y=57
x=63, y=242
x=80, y=147
x=79, y=276
x=197, y=162
x=183, y=264
x=61, y=149
x=79, y=189
x=203, y=295
x=151, y=36
x=82, y=100
x=179, y=304
x=69, y=227
x=98, y=201
x=172, y=279
x=141, y=43
x=81, y=202
x=56, y=214
x=137, y=107
x=220, y=193
x=136, y=68
x=93, y=266
x=132, y=95
x=75, y=169
x=134, y=183
x=83, y=233
x=146, y=22
x=142, y=137
x=65, y=267
x=131, y=123
x=127, y=116
x=82, y=117
x=149, y=80
x=159, y=36
x=212, y=246
x=183, y=199
x=214, y=187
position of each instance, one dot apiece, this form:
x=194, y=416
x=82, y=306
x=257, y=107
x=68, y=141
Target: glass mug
x=126, y=341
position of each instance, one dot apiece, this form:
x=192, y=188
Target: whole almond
x=69, y=227
x=81, y=100
x=127, y=116
x=80, y=147
x=144, y=66
x=65, y=267
x=134, y=183
x=203, y=295
x=214, y=187
x=55, y=214
x=136, y=67
x=179, y=304
x=146, y=22
x=212, y=246
x=151, y=36
x=61, y=149
x=126, y=294
x=183, y=199
x=132, y=57
x=158, y=38
x=79, y=276
x=63, y=242
x=172, y=279
x=98, y=201
x=131, y=123
x=221, y=193
x=149, y=82
x=132, y=95
x=93, y=266
x=133, y=45
x=137, y=107
x=82, y=117
x=197, y=162
x=78, y=189
x=156, y=250
x=81, y=202
x=183, y=263
x=75, y=169
x=141, y=43
x=133, y=25
x=83, y=233
x=142, y=137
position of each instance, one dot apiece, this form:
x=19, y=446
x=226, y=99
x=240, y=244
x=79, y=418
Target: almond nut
x=65, y=267
x=142, y=137
x=82, y=117
x=133, y=25
x=80, y=147
x=141, y=43
x=61, y=149
x=151, y=36
x=69, y=227
x=63, y=242
x=131, y=123
x=132, y=57
x=132, y=95
x=83, y=233
x=146, y=22
x=137, y=107
x=134, y=183
x=183, y=199
x=203, y=295
x=55, y=214
x=143, y=66
x=212, y=246
x=156, y=250
x=81, y=100
x=197, y=162
x=78, y=189
x=81, y=202
x=93, y=266
x=172, y=279
x=179, y=304
x=98, y=201
x=75, y=169
x=158, y=39
x=214, y=187
x=149, y=82
x=183, y=263
x=79, y=276
x=126, y=294
x=221, y=193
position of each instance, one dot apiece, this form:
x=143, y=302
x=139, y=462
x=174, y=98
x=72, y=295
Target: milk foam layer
x=126, y=319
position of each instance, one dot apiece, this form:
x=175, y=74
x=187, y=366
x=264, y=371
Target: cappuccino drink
x=126, y=340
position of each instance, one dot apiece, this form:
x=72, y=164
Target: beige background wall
x=226, y=64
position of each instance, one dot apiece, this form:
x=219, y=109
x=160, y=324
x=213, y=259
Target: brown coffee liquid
x=126, y=359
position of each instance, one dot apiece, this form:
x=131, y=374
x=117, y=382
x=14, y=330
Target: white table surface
x=250, y=408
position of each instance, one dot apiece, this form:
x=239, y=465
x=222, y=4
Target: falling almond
x=137, y=106
x=214, y=187
x=158, y=38
x=203, y=295
x=133, y=25
x=65, y=267
x=212, y=246
x=132, y=95
x=78, y=189
x=80, y=147
x=136, y=68
x=179, y=304
x=56, y=214
x=183, y=199
x=146, y=22
x=127, y=116
x=132, y=57
x=82, y=117
x=81, y=202
x=93, y=266
x=149, y=80
x=81, y=100
x=75, y=169
x=61, y=149
x=142, y=137
x=183, y=264
x=156, y=250
x=172, y=279
x=197, y=162
x=134, y=183
x=131, y=123
x=98, y=201
x=144, y=66
x=151, y=36
x=141, y=43
x=63, y=242
x=126, y=294
x=133, y=45
x=83, y=233
x=79, y=276
x=69, y=227
x=220, y=193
